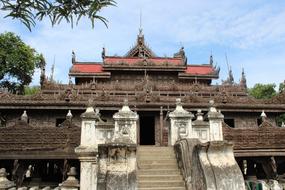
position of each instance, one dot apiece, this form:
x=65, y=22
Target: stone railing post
x=71, y=183
x=5, y=184
x=125, y=125
x=88, y=149
x=215, y=121
x=201, y=128
x=180, y=123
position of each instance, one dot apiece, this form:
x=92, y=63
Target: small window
x=230, y=122
x=59, y=121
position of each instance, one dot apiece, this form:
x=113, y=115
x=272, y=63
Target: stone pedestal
x=180, y=123
x=5, y=184
x=71, y=183
x=215, y=121
x=88, y=149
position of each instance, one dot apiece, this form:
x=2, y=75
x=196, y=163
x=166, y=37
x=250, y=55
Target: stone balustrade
x=181, y=125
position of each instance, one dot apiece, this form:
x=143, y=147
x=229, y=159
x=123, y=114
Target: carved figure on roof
x=103, y=53
x=211, y=60
x=180, y=53
x=73, y=58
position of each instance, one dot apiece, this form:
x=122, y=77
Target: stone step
x=156, y=152
x=155, y=156
x=162, y=188
x=142, y=147
x=158, y=169
x=158, y=161
x=159, y=177
x=158, y=172
x=155, y=149
x=157, y=166
x=169, y=183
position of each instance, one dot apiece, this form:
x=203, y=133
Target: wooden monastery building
x=39, y=130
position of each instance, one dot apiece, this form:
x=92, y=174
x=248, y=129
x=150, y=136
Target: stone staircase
x=157, y=169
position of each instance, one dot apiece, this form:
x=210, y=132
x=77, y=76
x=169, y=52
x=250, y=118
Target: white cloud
x=218, y=25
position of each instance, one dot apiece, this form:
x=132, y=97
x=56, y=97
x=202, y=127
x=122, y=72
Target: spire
x=140, y=28
x=243, y=79
x=231, y=77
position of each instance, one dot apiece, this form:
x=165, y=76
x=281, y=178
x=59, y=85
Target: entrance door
x=147, y=130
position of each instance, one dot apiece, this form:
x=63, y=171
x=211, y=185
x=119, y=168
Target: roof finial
x=140, y=20
x=52, y=70
x=263, y=115
x=103, y=54
x=243, y=79
x=73, y=59
x=211, y=59
x=24, y=117
x=230, y=79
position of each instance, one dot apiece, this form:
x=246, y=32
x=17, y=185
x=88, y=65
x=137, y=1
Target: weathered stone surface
x=201, y=128
x=4, y=182
x=117, y=167
x=125, y=125
x=88, y=150
x=208, y=166
x=215, y=121
x=180, y=123
x=71, y=183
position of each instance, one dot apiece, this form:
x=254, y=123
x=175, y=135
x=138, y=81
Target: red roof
x=199, y=69
x=87, y=68
x=130, y=60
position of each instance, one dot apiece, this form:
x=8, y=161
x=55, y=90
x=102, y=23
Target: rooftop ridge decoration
x=140, y=49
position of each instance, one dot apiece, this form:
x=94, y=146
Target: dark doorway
x=147, y=132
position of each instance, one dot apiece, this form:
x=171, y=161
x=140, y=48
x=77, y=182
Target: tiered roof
x=141, y=57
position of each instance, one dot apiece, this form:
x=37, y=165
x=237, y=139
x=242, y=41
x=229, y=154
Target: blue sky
x=250, y=32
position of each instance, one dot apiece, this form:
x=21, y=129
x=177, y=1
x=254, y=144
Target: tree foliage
x=17, y=62
x=30, y=11
x=31, y=90
x=263, y=91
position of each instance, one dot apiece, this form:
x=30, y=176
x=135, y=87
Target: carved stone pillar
x=88, y=149
x=215, y=121
x=125, y=125
x=180, y=123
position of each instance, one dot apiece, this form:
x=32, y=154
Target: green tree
x=30, y=11
x=17, y=63
x=282, y=87
x=263, y=91
x=31, y=90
